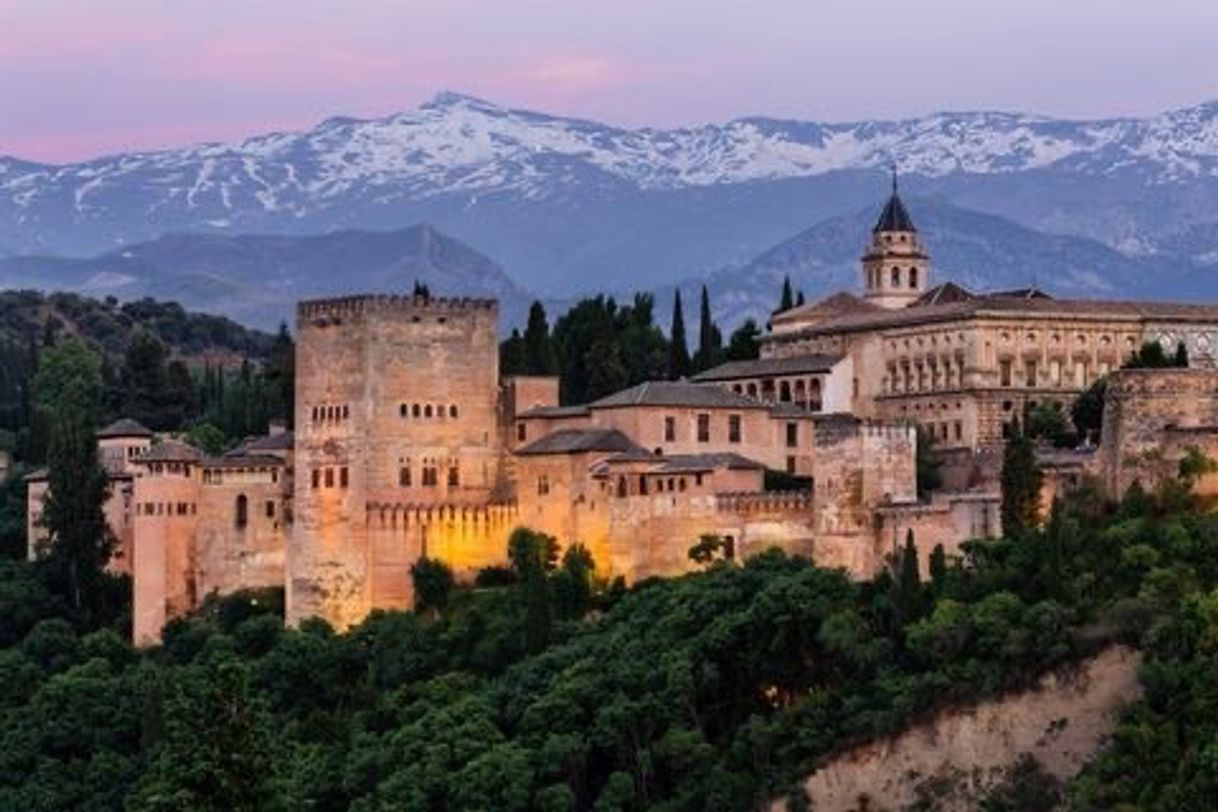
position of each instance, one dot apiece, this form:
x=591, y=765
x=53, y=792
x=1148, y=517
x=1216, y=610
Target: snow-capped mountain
x=568, y=204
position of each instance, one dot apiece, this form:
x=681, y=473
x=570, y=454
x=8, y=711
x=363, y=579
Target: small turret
x=896, y=267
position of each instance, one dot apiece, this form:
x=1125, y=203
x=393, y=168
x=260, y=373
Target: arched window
x=452, y=410
x=896, y=277
x=414, y=410
x=621, y=486
x=242, y=511
x=427, y=410
x=913, y=278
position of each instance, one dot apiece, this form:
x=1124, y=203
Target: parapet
x=321, y=312
x=765, y=502
x=1125, y=383
x=392, y=516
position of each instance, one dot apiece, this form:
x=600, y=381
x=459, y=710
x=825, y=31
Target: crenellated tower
x=896, y=267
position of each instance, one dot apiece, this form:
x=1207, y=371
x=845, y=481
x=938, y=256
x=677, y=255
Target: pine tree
x=743, y=345
x=678, y=349
x=710, y=340
x=788, y=299
x=1021, y=484
x=538, y=348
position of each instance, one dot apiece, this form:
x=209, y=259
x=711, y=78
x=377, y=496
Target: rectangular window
x=790, y=465
x=521, y=432
x=959, y=430
x=792, y=435
x=329, y=477
x=270, y=509
x=404, y=477
x=704, y=428
x=316, y=477
x=342, y=477
x=1004, y=373
x=1029, y=367
x=543, y=485
x=670, y=429
x=454, y=477
x=429, y=476
x=733, y=428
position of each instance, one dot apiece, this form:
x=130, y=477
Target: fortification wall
x=949, y=520
x=1151, y=417
x=651, y=535
x=230, y=554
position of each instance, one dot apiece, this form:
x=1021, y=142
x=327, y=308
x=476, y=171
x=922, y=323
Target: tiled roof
x=677, y=393
x=894, y=217
x=837, y=304
x=576, y=441
x=762, y=367
x=125, y=427
x=1021, y=303
x=170, y=451
x=555, y=411
x=681, y=463
x=268, y=442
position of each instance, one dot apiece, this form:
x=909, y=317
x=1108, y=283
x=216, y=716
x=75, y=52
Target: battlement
x=768, y=502
x=390, y=516
x=324, y=311
x=1126, y=383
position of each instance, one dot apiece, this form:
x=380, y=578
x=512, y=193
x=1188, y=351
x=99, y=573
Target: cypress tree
x=678, y=350
x=788, y=299
x=1021, y=484
x=538, y=348
x=710, y=340
x=909, y=584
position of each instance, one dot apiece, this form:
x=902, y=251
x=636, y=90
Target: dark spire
x=894, y=217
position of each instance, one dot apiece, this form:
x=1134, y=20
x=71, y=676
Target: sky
x=82, y=78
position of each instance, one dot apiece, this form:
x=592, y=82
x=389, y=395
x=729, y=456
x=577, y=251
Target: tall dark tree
x=533, y=556
x=538, y=348
x=909, y=580
x=1021, y=483
x=79, y=539
x=641, y=344
x=710, y=340
x=799, y=299
x=1087, y=412
x=1181, y=357
x=145, y=384
x=281, y=376
x=788, y=298
x=679, y=362
x=513, y=360
x=743, y=345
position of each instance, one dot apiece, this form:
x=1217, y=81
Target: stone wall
x=1151, y=417
x=953, y=758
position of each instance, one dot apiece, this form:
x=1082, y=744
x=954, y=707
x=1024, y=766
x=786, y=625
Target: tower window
x=733, y=428
x=329, y=477
x=414, y=410
x=913, y=278
x=452, y=411
x=521, y=432
x=670, y=429
x=270, y=509
x=427, y=410
x=316, y=477
x=896, y=277
x=242, y=510
x=343, y=481
x=454, y=477
x=404, y=476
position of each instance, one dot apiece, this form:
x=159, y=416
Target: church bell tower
x=896, y=268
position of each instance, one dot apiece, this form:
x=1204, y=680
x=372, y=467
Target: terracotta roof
x=677, y=393
x=268, y=442
x=761, y=367
x=244, y=461
x=578, y=441
x=124, y=427
x=681, y=463
x=834, y=305
x=170, y=451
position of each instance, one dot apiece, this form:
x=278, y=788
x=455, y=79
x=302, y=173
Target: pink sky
x=80, y=78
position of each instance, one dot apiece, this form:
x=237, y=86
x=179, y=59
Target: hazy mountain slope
x=258, y=279
x=570, y=205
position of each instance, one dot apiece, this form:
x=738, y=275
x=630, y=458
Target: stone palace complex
x=408, y=443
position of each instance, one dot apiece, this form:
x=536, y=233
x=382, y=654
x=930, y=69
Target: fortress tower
x=396, y=414
x=896, y=267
